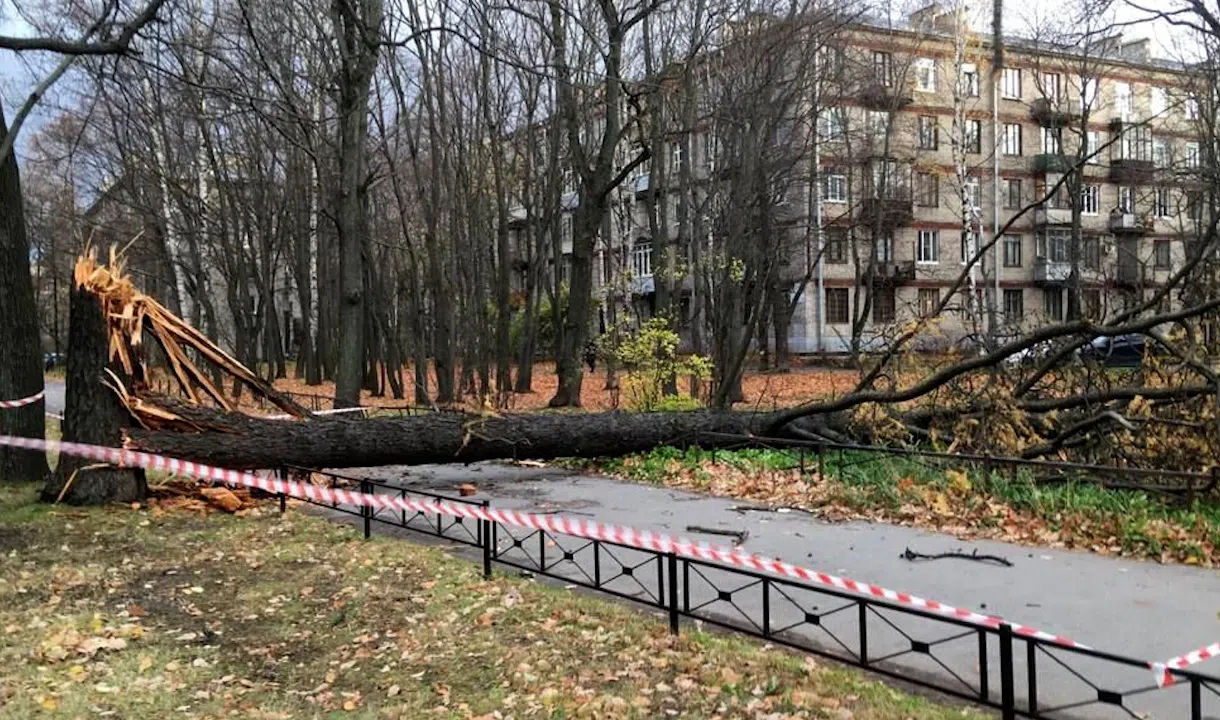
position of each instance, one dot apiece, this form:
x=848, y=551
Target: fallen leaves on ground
x=166, y=613
x=953, y=506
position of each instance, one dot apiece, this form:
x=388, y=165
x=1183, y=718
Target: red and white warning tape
x=9, y=404
x=334, y=411
x=588, y=529
x=1164, y=678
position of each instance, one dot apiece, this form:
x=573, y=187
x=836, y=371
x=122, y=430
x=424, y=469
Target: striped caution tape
x=1164, y=678
x=588, y=529
x=334, y=411
x=10, y=404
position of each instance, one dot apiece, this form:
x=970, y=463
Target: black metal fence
x=1018, y=676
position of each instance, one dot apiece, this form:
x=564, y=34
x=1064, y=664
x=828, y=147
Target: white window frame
x=834, y=188
x=1191, y=154
x=830, y=123
x=1088, y=91
x=1162, y=207
x=970, y=80
x=925, y=74
x=1012, y=240
x=1126, y=199
x=1124, y=106
x=1092, y=141
x=1190, y=108
x=878, y=121
x=641, y=259
x=1012, y=139
x=1159, y=102
x=973, y=193
x=1090, y=199
x=971, y=243
x=1160, y=152
x=927, y=250
x=675, y=156
x=1010, y=83
x=1052, y=86
x=1050, y=142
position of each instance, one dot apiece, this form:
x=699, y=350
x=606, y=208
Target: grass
x=968, y=502
x=147, y=614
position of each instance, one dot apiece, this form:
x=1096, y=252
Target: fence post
x=283, y=472
x=1008, y=702
x=673, y=593
x=485, y=531
x=366, y=511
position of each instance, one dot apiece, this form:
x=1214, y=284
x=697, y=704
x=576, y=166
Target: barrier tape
x=1164, y=678
x=334, y=411
x=582, y=528
x=10, y=404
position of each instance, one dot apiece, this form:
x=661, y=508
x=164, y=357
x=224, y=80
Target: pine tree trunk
x=21, y=362
x=92, y=414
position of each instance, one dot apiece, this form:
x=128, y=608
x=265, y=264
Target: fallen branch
x=913, y=556
x=739, y=536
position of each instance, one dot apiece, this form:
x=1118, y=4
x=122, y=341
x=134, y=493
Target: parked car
x=1122, y=351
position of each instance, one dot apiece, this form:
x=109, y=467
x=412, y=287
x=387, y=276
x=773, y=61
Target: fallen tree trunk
x=239, y=441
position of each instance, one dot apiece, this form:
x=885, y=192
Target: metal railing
x=1017, y=675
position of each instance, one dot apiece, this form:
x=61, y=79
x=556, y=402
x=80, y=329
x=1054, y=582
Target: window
x=1012, y=193
x=970, y=245
x=1160, y=152
x=1014, y=305
x=830, y=123
x=1010, y=83
x=1090, y=196
x=1091, y=300
x=641, y=259
x=885, y=248
x=1126, y=199
x=1092, y=142
x=1050, y=141
x=929, y=302
x=1192, y=154
x=1088, y=91
x=887, y=180
x=928, y=250
x=1123, y=107
x=970, y=80
x=1052, y=303
x=1160, y=203
x=1090, y=252
x=1160, y=101
x=836, y=246
x=836, y=306
x=1160, y=255
x=878, y=122
x=834, y=187
x=1052, y=88
x=1191, y=107
x=883, y=67
x=675, y=156
x=884, y=305
x=972, y=193
x=928, y=132
x=565, y=229
x=974, y=136
x=1053, y=244
x=1136, y=143
x=1012, y=251
x=1012, y=139
x=925, y=75
x=927, y=189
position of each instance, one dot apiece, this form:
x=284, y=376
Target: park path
x=1133, y=608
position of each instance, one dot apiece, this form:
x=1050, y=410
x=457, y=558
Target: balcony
x=1051, y=272
x=1129, y=274
x=1055, y=113
x=1125, y=171
x=1050, y=215
x=878, y=96
x=642, y=285
x=1125, y=223
x=887, y=213
x=1053, y=163
x=894, y=273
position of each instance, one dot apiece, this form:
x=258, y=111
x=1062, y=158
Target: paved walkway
x=1136, y=609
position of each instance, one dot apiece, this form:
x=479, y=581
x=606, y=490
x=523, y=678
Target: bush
x=651, y=360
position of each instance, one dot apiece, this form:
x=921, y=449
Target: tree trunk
x=240, y=441
x=20, y=365
x=92, y=414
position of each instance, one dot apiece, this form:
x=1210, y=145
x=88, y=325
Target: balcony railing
x=1050, y=215
x=894, y=273
x=1055, y=113
x=642, y=285
x=878, y=96
x=1051, y=272
x=1053, y=163
x=1129, y=223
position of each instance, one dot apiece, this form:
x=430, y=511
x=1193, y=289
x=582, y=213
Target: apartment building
x=919, y=156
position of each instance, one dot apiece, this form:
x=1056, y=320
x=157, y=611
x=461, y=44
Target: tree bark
x=20, y=365
x=92, y=414
x=240, y=441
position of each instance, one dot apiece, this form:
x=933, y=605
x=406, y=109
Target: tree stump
x=92, y=414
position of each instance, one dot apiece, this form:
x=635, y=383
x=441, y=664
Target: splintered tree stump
x=92, y=414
